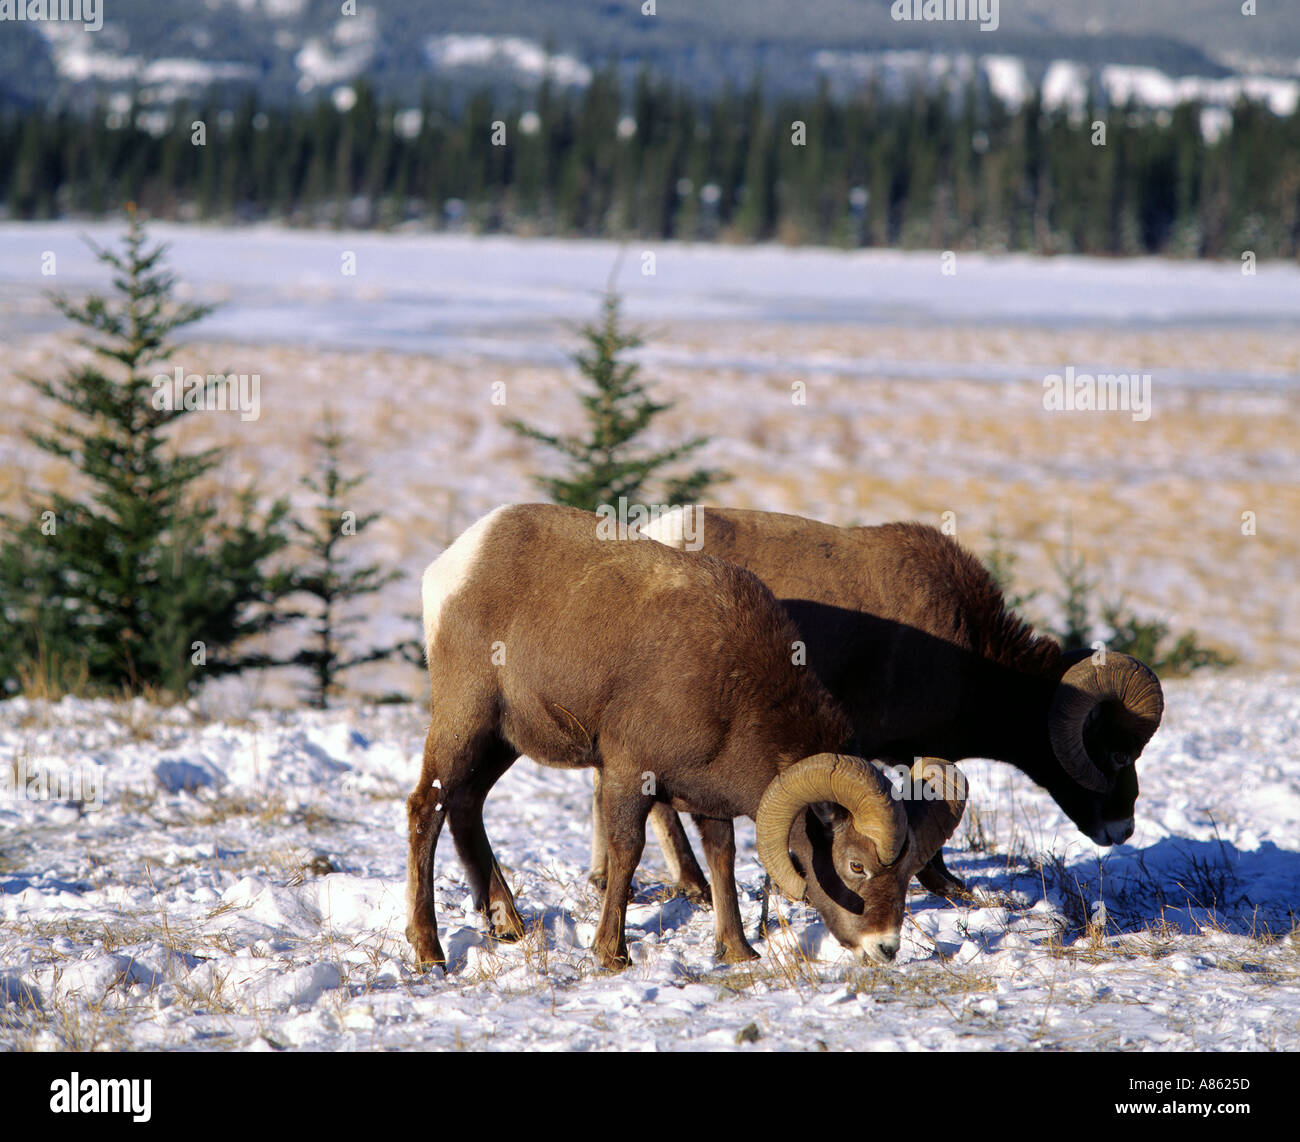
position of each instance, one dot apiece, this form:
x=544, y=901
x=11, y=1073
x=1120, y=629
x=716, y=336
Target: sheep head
x=857, y=840
x=1102, y=715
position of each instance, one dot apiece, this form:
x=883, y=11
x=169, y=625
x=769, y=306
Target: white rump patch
x=668, y=528
x=447, y=574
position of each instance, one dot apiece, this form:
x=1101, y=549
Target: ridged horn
x=935, y=817
x=1121, y=680
x=845, y=780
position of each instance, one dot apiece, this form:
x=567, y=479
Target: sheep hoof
x=428, y=952
x=696, y=892
x=739, y=954
x=503, y=925
x=614, y=961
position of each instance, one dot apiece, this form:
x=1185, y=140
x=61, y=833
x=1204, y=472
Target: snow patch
x=1008, y=79
x=346, y=52
x=526, y=57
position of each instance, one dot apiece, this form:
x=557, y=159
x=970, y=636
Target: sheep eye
x=856, y=868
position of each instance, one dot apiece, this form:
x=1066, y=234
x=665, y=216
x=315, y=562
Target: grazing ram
x=671, y=674
x=909, y=632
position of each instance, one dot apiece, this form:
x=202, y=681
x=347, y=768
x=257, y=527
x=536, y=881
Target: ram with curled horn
x=834, y=830
x=912, y=636
x=670, y=674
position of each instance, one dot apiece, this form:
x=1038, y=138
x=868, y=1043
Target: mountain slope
x=288, y=48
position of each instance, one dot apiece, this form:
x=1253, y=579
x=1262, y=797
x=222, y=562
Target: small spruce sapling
x=606, y=462
x=138, y=583
x=328, y=578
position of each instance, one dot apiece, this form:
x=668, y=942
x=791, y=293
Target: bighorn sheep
x=909, y=632
x=672, y=675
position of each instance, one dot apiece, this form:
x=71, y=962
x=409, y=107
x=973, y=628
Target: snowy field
x=241, y=887
x=231, y=876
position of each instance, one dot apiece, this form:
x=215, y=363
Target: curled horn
x=935, y=815
x=848, y=781
x=1120, y=680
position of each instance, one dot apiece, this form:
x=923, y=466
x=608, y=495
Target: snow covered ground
x=240, y=886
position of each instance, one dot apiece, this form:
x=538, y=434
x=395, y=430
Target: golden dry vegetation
x=1156, y=506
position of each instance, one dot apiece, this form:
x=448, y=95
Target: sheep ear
x=936, y=804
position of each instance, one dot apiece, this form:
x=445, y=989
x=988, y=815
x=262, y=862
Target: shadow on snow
x=1191, y=886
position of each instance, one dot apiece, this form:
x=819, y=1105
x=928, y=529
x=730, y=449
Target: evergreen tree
x=938, y=171
x=1121, y=631
x=606, y=463
x=326, y=577
x=1001, y=563
x=1077, y=587
x=136, y=584
x=757, y=217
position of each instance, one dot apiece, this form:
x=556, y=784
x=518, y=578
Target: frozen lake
x=513, y=298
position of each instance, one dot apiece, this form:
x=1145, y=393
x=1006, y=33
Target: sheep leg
x=599, y=871
x=491, y=894
x=425, y=812
x=598, y=876
x=625, y=818
x=936, y=877
x=719, y=838
x=684, y=870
